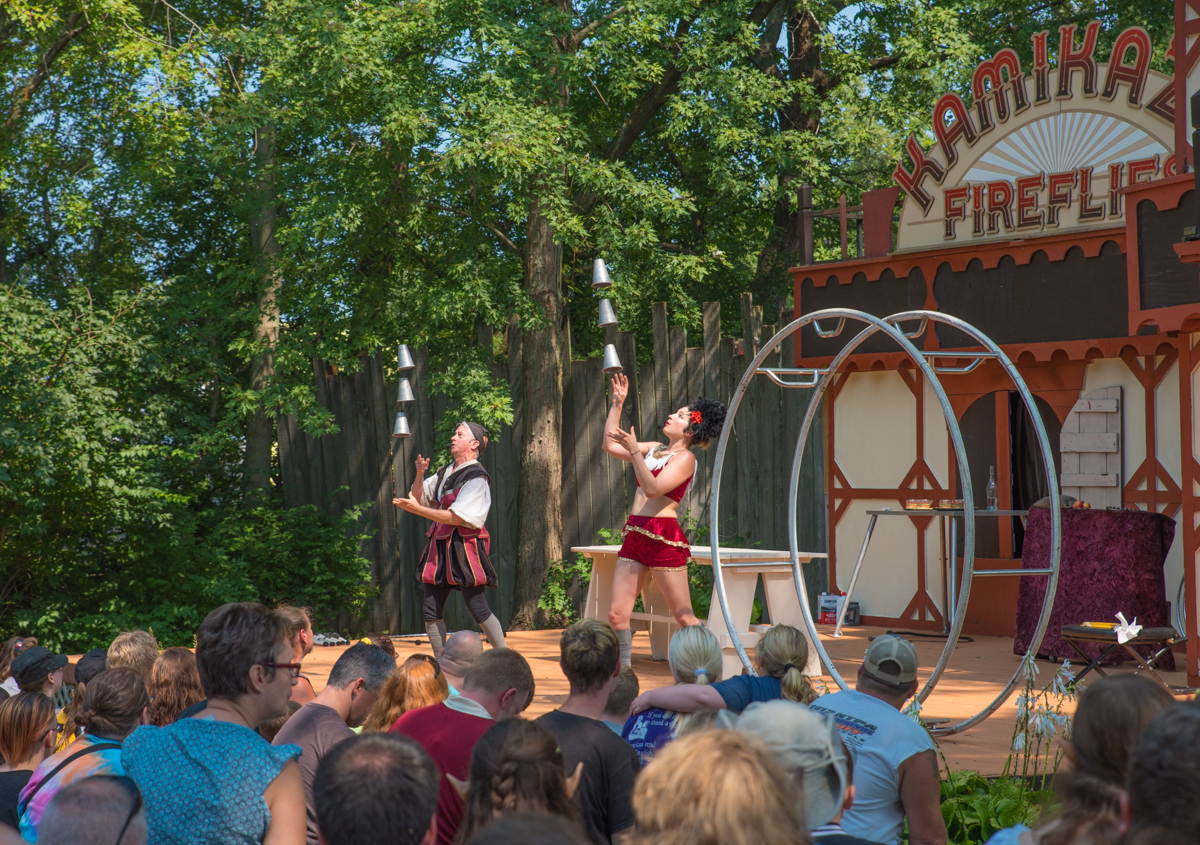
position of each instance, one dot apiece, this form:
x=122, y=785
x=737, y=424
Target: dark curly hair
x=712, y=420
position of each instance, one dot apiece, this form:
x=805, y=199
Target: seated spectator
x=780, y=659
x=27, y=734
x=211, y=777
x=325, y=721
x=103, y=810
x=300, y=634
x=8, y=652
x=417, y=682
x=377, y=789
x=498, y=685
x=529, y=829
x=590, y=657
x=716, y=788
x=37, y=669
x=616, y=709
x=115, y=703
x=383, y=641
x=1108, y=719
x=88, y=667
x=516, y=767
x=1160, y=806
x=174, y=685
x=136, y=649
x=895, y=764
x=460, y=651
x=270, y=729
x=694, y=656
x=806, y=743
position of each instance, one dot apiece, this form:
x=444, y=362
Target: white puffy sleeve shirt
x=473, y=502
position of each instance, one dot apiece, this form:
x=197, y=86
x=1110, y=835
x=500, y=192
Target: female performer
x=653, y=540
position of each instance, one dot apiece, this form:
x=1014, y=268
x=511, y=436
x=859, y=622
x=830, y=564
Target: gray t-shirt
x=316, y=729
x=879, y=738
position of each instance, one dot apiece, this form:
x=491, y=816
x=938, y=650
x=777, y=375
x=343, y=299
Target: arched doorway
x=997, y=432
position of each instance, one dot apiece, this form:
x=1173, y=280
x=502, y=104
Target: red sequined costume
x=657, y=542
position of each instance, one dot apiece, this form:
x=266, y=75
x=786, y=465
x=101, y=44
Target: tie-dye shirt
x=106, y=761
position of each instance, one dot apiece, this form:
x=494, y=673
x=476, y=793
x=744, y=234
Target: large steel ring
x=889, y=327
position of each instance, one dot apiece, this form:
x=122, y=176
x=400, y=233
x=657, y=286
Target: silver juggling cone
x=401, y=429
x=406, y=392
x=608, y=317
x=600, y=277
x=404, y=359
x=612, y=364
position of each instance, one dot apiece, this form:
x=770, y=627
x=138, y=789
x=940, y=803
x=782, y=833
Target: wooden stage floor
x=975, y=675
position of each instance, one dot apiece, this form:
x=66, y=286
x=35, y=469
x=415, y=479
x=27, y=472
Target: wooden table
x=741, y=569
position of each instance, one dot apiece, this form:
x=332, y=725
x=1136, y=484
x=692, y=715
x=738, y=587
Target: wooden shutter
x=1090, y=445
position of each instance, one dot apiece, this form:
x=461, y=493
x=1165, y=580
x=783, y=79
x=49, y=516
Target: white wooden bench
x=741, y=569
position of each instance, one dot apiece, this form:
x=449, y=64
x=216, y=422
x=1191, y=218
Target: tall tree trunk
x=540, y=511
x=783, y=247
x=260, y=428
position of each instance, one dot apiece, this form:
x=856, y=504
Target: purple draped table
x=1111, y=561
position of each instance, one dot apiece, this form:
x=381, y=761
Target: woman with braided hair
x=516, y=767
x=653, y=540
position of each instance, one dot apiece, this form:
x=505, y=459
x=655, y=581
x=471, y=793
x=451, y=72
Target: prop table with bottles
x=740, y=569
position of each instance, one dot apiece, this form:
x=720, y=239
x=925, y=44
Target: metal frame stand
x=819, y=380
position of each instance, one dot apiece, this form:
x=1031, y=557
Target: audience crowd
x=231, y=743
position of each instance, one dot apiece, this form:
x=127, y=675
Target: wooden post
x=806, y=225
x=842, y=221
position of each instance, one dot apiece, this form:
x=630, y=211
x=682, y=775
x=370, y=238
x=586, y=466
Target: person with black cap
x=38, y=669
x=457, y=500
x=88, y=667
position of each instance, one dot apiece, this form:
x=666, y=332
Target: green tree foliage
x=200, y=200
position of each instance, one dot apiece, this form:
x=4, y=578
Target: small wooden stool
x=1107, y=639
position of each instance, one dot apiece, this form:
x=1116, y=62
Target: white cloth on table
x=474, y=498
x=879, y=738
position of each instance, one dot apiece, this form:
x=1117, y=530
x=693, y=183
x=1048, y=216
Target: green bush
x=975, y=807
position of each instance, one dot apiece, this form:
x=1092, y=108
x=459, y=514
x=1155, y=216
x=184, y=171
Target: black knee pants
x=433, y=607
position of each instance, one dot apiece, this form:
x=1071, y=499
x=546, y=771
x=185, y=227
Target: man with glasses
x=99, y=810
x=326, y=721
x=457, y=500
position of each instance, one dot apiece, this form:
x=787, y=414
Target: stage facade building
x=1055, y=210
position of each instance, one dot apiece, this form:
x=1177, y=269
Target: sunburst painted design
x=1061, y=142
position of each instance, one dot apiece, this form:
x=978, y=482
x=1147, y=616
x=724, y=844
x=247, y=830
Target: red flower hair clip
x=696, y=418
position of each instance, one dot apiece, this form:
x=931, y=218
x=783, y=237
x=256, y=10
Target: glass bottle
x=993, y=500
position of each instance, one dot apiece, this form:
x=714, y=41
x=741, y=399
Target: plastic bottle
x=993, y=500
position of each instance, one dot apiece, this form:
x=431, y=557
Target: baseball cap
x=90, y=665
x=894, y=648
x=36, y=662
x=804, y=741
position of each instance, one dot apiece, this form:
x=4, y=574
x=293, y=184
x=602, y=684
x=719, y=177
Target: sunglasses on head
x=437, y=667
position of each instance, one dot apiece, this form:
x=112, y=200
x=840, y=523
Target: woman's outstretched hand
x=626, y=439
x=620, y=388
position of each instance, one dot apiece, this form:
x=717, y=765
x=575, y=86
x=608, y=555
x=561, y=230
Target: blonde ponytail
x=783, y=653
x=694, y=656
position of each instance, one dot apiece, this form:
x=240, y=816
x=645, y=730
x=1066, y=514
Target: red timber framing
x=1054, y=372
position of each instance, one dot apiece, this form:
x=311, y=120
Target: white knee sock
x=437, y=638
x=495, y=633
x=625, y=638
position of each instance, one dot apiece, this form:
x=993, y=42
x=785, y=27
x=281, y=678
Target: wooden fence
x=597, y=489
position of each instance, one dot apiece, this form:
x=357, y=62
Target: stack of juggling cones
x=608, y=315
x=404, y=363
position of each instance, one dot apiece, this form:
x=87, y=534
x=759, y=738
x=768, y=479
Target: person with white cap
x=895, y=764
x=808, y=746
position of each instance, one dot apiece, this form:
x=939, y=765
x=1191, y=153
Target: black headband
x=478, y=432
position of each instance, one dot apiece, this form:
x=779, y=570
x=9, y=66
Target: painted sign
x=1040, y=150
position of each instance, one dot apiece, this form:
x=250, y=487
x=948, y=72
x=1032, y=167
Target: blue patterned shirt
x=203, y=781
